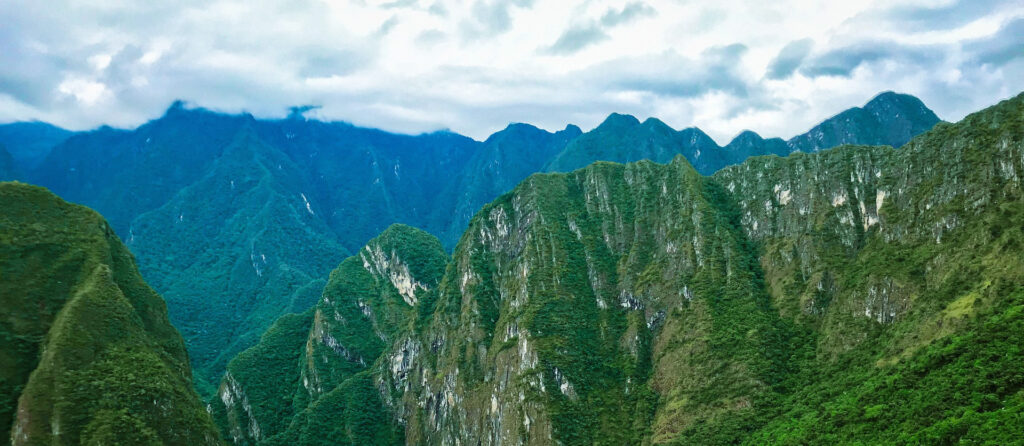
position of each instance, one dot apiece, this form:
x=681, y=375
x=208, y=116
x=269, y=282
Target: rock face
x=501, y=162
x=310, y=380
x=88, y=355
x=573, y=301
x=783, y=300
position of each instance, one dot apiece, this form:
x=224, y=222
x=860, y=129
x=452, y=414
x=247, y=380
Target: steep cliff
x=310, y=380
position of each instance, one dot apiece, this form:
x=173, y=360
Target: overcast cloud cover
x=776, y=67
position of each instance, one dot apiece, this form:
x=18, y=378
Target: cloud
x=576, y=38
x=671, y=75
x=587, y=33
x=843, y=60
x=1004, y=46
x=789, y=59
x=492, y=16
x=933, y=16
x=475, y=65
x=626, y=14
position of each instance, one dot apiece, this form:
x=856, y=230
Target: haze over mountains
x=213, y=205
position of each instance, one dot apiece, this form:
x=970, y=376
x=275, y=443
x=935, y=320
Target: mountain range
x=857, y=295
x=342, y=285
x=213, y=205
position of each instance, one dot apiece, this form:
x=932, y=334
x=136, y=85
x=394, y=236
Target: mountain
x=501, y=162
x=124, y=173
x=748, y=144
x=30, y=142
x=88, y=354
x=852, y=295
x=7, y=169
x=198, y=194
x=311, y=371
x=237, y=221
x=234, y=251
x=889, y=119
x=367, y=179
x=623, y=138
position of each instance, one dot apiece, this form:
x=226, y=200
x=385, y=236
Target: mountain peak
x=655, y=123
x=890, y=96
x=176, y=107
x=572, y=129
x=894, y=99
x=618, y=120
x=521, y=127
x=889, y=118
x=299, y=112
x=746, y=137
x=694, y=135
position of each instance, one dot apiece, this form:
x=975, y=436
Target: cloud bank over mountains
x=473, y=66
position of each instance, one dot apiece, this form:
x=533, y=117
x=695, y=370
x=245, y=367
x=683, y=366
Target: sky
x=775, y=67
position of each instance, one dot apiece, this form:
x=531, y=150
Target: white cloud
x=475, y=65
x=84, y=91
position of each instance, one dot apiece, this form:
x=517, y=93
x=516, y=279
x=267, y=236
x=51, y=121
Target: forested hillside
x=87, y=353
x=862, y=294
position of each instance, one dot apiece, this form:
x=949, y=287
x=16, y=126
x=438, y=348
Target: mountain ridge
x=783, y=300
x=89, y=355
x=345, y=183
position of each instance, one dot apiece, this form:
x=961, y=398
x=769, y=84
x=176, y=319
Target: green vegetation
x=310, y=378
x=7, y=170
x=226, y=250
x=860, y=295
x=237, y=221
x=88, y=355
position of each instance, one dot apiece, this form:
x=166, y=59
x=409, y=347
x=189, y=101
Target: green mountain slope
x=88, y=355
x=889, y=119
x=859, y=295
x=30, y=142
x=7, y=169
x=367, y=179
x=234, y=251
x=309, y=379
x=622, y=138
x=124, y=173
x=904, y=262
x=502, y=161
x=215, y=222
